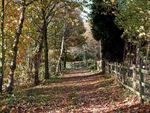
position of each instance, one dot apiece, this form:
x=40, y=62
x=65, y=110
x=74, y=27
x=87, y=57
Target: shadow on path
x=77, y=94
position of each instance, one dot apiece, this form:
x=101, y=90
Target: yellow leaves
x=11, y=18
x=148, y=12
x=113, y=1
x=72, y=23
x=141, y=12
x=142, y=35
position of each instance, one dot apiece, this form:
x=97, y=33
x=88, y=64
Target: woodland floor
x=76, y=92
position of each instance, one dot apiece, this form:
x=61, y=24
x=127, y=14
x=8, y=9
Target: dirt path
x=78, y=92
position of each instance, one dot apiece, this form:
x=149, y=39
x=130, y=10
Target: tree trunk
x=65, y=55
x=103, y=66
x=2, y=47
x=102, y=60
x=30, y=67
x=37, y=60
x=136, y=63
x=58, y=70
x=134, y=74
x=15, y=50
x=100, y=50
x=147, y=55
x=36, y=69
x=99, y=58
x=46, y=50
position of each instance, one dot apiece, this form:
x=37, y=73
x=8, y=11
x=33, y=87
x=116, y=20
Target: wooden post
x=134, y=76
x=125, y=74
x=141, y=85
x=106, y=67
x=119, y=71
x=109, y=68
x=147, y=56
x=122, y=72
x=103, y=66
x=95, y=63
x=116, y=69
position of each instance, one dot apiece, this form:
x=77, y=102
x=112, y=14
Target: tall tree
x=37, y=60
x=45, y=9
x=72, y=32
x=133, y=17
x=2, y=47
x=58, y=66
x=23, y=6
x=105, y=29
x=47, y=16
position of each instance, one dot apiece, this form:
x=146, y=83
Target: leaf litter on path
x=75, y=94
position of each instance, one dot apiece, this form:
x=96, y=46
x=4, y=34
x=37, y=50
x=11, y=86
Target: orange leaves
x=77, y=92
x=12, y=17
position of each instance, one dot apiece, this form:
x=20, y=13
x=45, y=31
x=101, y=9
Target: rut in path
x=75, y=92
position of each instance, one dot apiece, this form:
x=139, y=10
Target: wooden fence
x=81, y=65
x=133, y=78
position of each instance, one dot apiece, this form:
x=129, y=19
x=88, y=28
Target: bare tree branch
x=27, y=4
x=50, y=11
x=35, y=24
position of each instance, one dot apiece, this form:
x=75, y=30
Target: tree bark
x=44, y=33
x=147, y=54
x=101, y=58
x=103, y=66
x=134, y=64
x=15, y=50
x=46, y=50
x=100, y=50
x=58, y=70
x=37, y=61
x=2, y=47
x=134, y=74
x=65, y=55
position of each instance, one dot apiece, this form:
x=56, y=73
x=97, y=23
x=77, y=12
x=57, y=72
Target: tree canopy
x=105, y=29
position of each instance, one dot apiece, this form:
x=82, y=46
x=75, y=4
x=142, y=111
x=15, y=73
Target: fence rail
x=133, y=78
x=81, y=65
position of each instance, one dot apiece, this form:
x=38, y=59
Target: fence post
x=116, y=69
x=119, y=71
x=106, y=67
x=141, y=85
x=95, y=63
x=134, y=74
x=125, y=74
x=109, y=68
